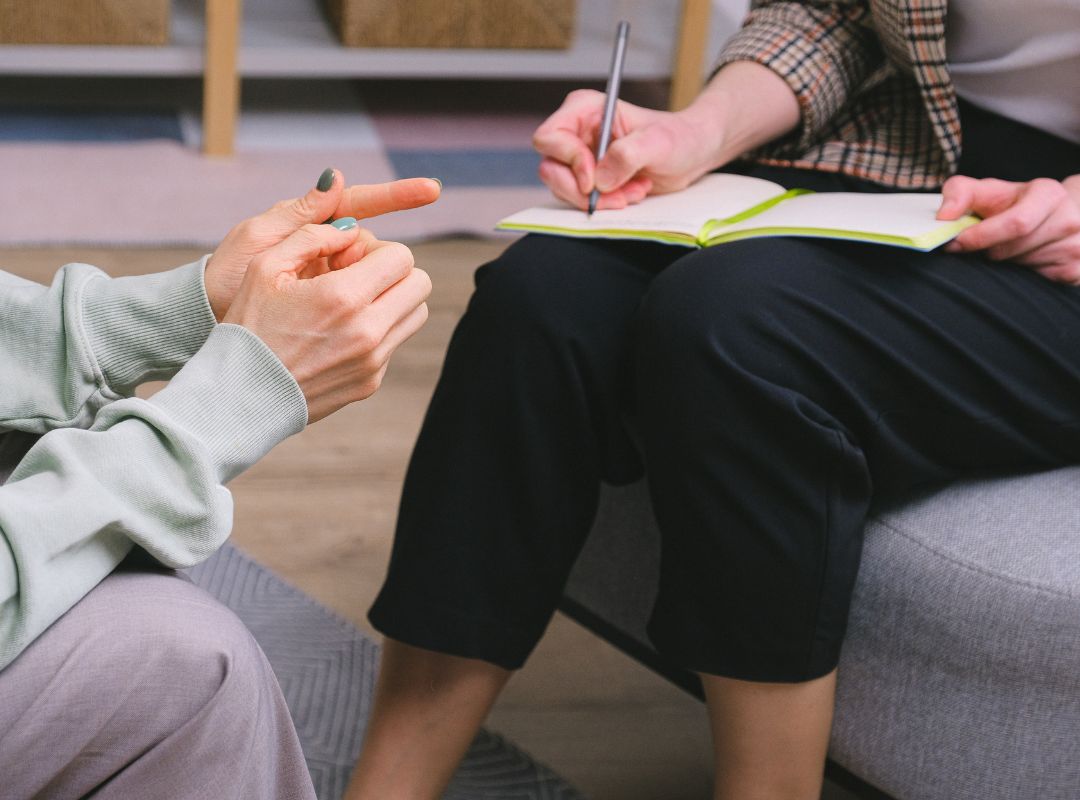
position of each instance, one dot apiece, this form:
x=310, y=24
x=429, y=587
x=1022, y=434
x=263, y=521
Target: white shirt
x=1019, y=59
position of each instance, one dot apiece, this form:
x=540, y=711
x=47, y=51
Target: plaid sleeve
x=823, y=50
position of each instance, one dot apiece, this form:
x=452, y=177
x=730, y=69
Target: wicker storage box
x=541, y=24
x=84, y=21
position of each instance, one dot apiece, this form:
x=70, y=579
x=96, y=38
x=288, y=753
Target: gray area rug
x=327, y=667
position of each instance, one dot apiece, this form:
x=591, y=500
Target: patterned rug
x=327, y=670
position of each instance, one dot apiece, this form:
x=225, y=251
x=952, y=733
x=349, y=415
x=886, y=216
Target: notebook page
x=906, y=215
x=715, y=196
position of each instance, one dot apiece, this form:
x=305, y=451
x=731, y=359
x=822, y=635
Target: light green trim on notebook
x=924, y=242
x=753, y=211
x=685, y=240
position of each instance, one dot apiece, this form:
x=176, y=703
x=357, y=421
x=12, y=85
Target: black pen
x=613, y=83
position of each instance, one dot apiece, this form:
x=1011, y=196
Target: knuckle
x=364, y=344
x=623, y=151
x=583, y=95
x=260, y=264
x=958, y=184
x=366, y=339
x=1048, y=186
x=424, y=284
x=371, y=384
x=401, y=255
x=248, y=229
x=1021, y=224
x=300, y=208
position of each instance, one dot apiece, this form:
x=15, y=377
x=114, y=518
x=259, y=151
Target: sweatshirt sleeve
x=68, y=349
x=144, y=472
x=824, y=49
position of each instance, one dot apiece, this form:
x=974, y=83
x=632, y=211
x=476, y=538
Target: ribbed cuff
x=237, y=397
x=146, y=327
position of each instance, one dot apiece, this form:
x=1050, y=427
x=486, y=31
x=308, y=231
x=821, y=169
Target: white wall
x=727, y=16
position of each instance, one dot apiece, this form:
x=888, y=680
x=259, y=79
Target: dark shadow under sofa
x=960, y=674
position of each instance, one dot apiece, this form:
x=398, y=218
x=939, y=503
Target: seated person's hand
x=227, y=266
x=1036, y=223
x=651, y=152
x=334, y=328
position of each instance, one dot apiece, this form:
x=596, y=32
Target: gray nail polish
x=326, y=180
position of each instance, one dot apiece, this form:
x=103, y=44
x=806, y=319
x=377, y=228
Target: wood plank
x=690, y=52
x=221, y=82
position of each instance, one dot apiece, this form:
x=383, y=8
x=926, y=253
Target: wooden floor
x=320, y=511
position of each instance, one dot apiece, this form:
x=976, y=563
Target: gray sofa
x=960, y=675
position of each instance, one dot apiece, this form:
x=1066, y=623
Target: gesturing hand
x=329, y=198
x=1036, y=223
x=335, y=331
x=650, y=152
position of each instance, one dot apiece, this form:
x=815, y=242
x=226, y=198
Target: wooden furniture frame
x=689, y=64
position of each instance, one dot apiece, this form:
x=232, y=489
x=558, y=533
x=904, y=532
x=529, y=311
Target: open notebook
x=722, y=208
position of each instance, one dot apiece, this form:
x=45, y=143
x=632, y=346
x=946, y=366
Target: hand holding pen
x=649, y=152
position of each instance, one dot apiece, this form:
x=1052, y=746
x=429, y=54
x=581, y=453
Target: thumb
x=624, y=159
x=957, y=197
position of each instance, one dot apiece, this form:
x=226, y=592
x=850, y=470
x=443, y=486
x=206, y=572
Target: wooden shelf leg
x=690, y=52
x=221, y=81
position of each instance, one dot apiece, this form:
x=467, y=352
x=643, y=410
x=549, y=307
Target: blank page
x=715, y=196
x=908, y=215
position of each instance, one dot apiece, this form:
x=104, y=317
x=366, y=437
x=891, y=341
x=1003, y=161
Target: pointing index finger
x=371, y=200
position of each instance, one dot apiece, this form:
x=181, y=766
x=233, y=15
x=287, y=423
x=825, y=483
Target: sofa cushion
x=960, y=674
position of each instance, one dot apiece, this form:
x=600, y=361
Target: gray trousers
x=148, y=688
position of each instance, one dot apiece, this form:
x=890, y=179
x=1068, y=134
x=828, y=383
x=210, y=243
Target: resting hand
x=1036, y=223
x=335, y=332
x=650, y=152
x=225, y=269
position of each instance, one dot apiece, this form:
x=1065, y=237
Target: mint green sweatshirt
x=113, y=471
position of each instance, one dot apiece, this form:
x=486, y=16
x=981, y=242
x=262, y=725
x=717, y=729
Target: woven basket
x=540, y=24
x=84, y=21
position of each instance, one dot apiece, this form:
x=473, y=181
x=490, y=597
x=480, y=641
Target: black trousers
x=770, y=390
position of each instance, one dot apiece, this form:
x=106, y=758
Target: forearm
x=147, y=473
x=824, y=50
x=744, y=106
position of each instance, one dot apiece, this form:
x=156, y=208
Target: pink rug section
x=438, y=131
x=162, y=193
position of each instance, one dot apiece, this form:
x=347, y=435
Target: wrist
x=215, y=293
x=706, y=120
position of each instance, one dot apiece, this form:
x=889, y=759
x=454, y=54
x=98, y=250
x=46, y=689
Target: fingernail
x=326, y=180
x=438, y=182
x=345, y=223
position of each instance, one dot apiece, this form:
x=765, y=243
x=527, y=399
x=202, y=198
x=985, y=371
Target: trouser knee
x=757, y=486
